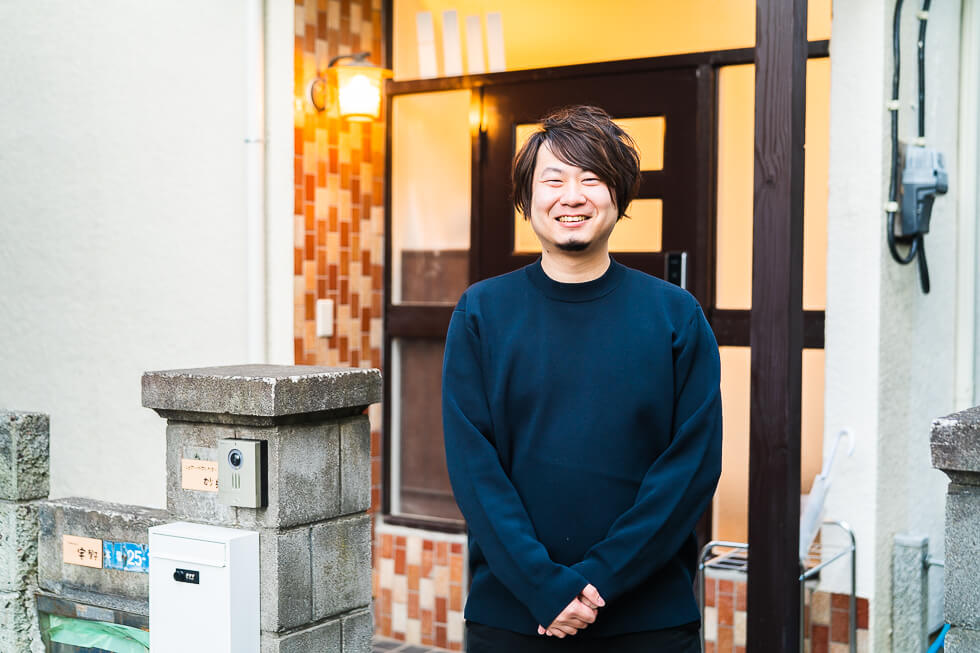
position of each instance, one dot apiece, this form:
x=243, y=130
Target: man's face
x=571, y=209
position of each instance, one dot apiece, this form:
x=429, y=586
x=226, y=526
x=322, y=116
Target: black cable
x=922, y=67
x=916, y=243
x=923, y=266
x=894, y=181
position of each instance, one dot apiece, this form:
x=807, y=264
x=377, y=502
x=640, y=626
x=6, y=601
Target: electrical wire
x=923, y=22
x=915, y=243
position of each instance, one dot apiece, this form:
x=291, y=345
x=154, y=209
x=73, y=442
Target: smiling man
x=582, y=420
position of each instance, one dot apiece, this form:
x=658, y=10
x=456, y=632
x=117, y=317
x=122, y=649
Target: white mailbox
x=204, y=589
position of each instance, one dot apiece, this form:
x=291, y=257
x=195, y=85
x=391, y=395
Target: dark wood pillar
x=776, y=332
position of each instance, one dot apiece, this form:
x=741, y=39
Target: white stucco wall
x=890, y=350
x=279, y=109
x=122, y=239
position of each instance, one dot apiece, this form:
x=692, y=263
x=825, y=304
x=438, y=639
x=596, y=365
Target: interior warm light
x=353, y=90
x=359, y=92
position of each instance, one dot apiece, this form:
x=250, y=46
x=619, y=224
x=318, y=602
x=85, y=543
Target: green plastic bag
x=98, y=634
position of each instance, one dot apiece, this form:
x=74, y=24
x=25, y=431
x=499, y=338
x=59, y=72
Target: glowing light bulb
x=359, y=94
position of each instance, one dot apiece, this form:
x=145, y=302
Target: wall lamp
x=354, y=88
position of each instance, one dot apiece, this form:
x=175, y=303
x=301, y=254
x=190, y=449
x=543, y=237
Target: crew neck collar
x=576, y=292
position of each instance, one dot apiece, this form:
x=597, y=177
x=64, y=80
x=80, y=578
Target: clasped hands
x=577, y=615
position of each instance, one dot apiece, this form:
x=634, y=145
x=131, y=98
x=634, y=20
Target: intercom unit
x=240, y=467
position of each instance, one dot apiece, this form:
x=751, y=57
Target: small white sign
x=452, y=51
x=427, y=44
x=475, y=64
x=495, y=42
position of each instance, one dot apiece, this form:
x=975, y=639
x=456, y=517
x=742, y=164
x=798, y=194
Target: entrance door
x=660, y=111
x=444, y=141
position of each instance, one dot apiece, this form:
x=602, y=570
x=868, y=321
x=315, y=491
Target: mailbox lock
x=187, y=576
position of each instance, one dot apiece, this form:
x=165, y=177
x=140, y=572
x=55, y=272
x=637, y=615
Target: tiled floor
x=382, y=645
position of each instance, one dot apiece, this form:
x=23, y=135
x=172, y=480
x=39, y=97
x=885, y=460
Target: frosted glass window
x=643, y=230
x=736, y=134
x=731, y=503
x=430, y=197
x=648, y=133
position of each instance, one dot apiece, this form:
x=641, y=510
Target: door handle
x=675, y=268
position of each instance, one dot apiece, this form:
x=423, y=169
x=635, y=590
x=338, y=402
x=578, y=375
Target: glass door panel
x=736, y=134
x=430, y=197
x=428, y=269
x=731, y=508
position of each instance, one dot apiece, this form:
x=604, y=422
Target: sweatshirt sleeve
x=494, y=512
x=678, y=485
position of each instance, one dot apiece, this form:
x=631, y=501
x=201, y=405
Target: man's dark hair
x=585, y=137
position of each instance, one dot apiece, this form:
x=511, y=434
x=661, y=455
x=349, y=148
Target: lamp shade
x=359, y=91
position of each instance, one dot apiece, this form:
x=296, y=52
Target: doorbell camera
x=240, y=473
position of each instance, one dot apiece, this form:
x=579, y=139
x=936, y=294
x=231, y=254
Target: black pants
x=484, y=639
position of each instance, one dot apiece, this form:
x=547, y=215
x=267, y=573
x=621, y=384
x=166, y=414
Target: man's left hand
x=577, y=615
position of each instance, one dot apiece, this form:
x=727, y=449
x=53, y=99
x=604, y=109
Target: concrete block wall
x=113, y=589
x=955, y=447
x=910, y=594
x=24, y=482
x=315, y=531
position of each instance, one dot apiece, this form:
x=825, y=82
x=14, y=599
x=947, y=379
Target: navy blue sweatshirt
x=583, y=438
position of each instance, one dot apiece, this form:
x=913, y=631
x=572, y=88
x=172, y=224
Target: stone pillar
x=314, y=532
x=24, y=475
x=910, y=594
x=955, y=447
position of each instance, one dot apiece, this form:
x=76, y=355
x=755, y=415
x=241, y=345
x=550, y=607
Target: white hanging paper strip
x=474, y=46
x=452, y=50
x=495, y=43
x=427, y=45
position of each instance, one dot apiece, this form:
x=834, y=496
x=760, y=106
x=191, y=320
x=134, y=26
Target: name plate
x=200, y=475
x=84, y=551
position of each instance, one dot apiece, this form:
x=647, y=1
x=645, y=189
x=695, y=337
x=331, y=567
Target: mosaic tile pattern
x=339, y=194
x=419, y=581
x=825, y=618
x=339, y=202
x=338, y=254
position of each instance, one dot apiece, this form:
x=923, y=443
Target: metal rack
x=735, y=557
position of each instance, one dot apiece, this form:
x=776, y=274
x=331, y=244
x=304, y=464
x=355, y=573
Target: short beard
x=572, y=246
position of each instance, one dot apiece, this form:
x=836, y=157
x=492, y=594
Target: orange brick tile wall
x=419, y=578
x=339, y=202
x=826, y=626
x=419, y=586
x=339, y=194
